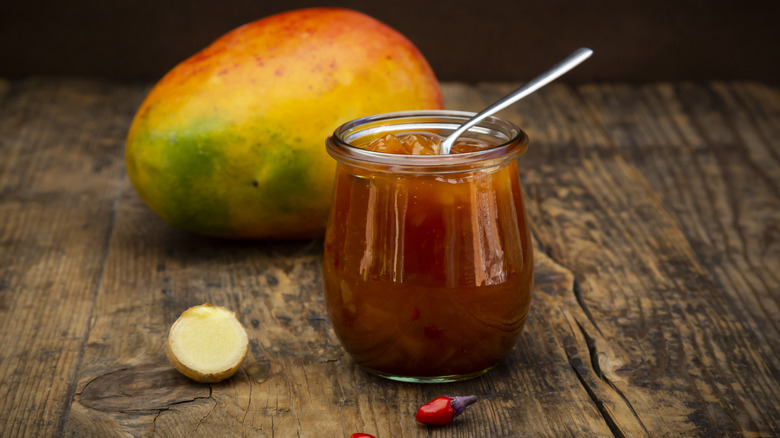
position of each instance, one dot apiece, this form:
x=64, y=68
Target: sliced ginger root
x=207, y=343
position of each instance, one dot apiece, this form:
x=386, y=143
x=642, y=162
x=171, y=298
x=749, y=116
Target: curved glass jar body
x=428, y=264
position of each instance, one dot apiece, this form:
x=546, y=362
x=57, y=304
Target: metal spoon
x=538, y=82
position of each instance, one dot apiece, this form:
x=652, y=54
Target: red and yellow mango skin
x=230, y=143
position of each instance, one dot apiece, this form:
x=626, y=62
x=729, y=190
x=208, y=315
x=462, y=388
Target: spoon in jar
x=529, y=87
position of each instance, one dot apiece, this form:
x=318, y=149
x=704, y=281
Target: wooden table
x=656, y=215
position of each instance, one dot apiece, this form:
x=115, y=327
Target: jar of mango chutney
x=428, y=263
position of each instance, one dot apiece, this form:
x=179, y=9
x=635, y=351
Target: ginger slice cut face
x=207, y=343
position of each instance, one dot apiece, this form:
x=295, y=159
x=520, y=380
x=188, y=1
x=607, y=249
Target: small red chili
x=442, y=410
x=361, y=435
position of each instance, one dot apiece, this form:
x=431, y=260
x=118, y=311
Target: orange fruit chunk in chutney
x=421, y=143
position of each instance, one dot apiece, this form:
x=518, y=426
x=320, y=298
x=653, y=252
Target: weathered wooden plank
x=59, y=180
x=718, y=175
x=655, y=210
x=679, y=339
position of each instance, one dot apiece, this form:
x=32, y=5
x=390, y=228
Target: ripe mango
x=230, y=142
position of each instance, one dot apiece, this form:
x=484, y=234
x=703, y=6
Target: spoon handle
x=529, y=87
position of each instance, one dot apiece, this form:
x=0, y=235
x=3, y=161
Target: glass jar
x=428, y=263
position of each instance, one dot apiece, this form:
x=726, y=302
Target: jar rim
x=513, y=142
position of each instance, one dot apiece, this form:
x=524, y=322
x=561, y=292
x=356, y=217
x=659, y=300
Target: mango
x=231, y=142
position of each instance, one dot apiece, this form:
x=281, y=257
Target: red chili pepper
x=442, y=410
x=361, y=435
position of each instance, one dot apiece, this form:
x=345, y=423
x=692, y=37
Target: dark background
x=470, y=41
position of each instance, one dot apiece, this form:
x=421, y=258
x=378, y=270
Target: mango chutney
x=428, y=264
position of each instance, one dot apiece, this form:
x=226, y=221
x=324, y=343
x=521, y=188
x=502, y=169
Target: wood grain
x=655, y=217
x=60, y=177
x=670, y=236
